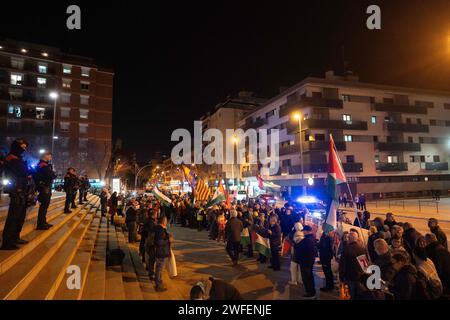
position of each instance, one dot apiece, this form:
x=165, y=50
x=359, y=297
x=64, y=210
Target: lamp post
x=53, y=95
x=235, y=141
x=137, y=174
x=298, y=116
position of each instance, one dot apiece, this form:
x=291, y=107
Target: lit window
x=67, y=69
x=84, y=113
x=346, y=117
x=377, y=158
x=66, y=83
x=84, y=100
x=85, y=72
x=16, y=79
x=15, y=110
x=373, y=119
x=40, y=113
x=83, y=128
x=348, y=138
x=392, y=159
x=41, y=82
x=42, y=68
x=84, y=86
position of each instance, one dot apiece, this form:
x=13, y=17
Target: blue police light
x=307, y=199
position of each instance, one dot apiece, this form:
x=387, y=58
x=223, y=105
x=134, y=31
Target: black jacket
x=221, y=290
x=233, y=230
x=247, y=219
x=44, y=175
x=70, y=183
x=441, y=236
x=349, y=268
x=305, y=251
x=441, y=259
x=162, y=242
x=275, y=236
x=386, y=267
x=287, y=223
x=16, y=172
x=131, y=215
x=325, y=248
x=404, y=285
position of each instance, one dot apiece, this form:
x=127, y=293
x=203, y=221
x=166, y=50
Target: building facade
x=392, y=141
x=226, y=115
x=83, y=126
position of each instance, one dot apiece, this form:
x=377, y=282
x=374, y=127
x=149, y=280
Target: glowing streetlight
x=41, y=151
x=310, y=181
x=54, y=96
x=298, y=117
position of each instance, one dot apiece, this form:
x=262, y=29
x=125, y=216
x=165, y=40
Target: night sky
x=175, y=60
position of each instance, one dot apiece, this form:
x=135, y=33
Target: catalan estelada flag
x=189, y=175
x=335, y=177
x=202, y=191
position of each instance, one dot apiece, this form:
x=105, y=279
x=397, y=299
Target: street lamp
x=41, y=151
x=137, y=174
x=235, y=140
x=54, y=96
x=298, y=116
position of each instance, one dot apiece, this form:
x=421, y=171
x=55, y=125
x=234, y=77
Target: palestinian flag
x=218, y=196
x=165, y=200
x=335, y=177
x=261, y=244
x=245, y=237
x=202, y=191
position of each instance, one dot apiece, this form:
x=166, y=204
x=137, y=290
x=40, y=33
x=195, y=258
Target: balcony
x=387, y=107
x=323, y=145
x=390, y=167
x=353, y=167
x=407, y=127
x=436, y=166
x=302, y=102
x=398, y=146
x=254, y=124
x=290, y=149
x=327, y=124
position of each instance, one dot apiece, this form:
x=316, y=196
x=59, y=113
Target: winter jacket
x=325, y=247
x=349, y=268
x=162, y=242
x=386, y=267
x=275, y=236
x=221, y=290
x=404, y=284
x=441, y=236
x=305, y=251
x=233, y=230
x=441, y=259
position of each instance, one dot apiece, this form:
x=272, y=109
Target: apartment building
x=226, y=115
x=29, y=73
x=393, y=141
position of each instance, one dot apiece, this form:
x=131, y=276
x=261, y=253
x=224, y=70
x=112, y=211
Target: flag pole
x=353, y=203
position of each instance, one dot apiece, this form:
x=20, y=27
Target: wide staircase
x=43, y=268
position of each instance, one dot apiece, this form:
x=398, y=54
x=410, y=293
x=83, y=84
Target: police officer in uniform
x=44, y=179
x=70, y=185
x=17, y=173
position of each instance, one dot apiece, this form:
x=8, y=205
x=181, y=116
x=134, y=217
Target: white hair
x=233, y=213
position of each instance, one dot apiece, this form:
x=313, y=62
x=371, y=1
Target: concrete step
x=94, y=287
x=129, y=277
x=10, y=258
x=32, y=212
x=47, y=281
x=82, y=259
x=114, y=287
x=15, y=280
x=4, y=208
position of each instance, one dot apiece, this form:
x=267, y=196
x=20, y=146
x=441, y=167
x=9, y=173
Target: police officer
x=70, y=184
x=17, y=173
x=87, y=185
x=44, y=179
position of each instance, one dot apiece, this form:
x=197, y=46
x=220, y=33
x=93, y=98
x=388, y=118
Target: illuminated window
x=15, y=110
x=42, y=68
x=346, y=117
x=16, y=79
x=84, y=113
x=85, y=72
x=348, y=138
x=392, y=159
x=67, y=69
x=66, y=83
x=41, y=82
x=40, y=113
x=373, y=119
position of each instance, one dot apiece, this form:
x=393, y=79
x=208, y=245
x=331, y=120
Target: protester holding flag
x=247, y=220
x=274, y=233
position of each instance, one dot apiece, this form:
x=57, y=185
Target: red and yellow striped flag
x=202, y=191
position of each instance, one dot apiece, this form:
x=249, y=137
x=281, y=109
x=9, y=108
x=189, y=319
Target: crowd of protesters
x=413, y=266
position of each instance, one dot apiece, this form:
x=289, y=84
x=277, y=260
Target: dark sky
x=175, y=60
